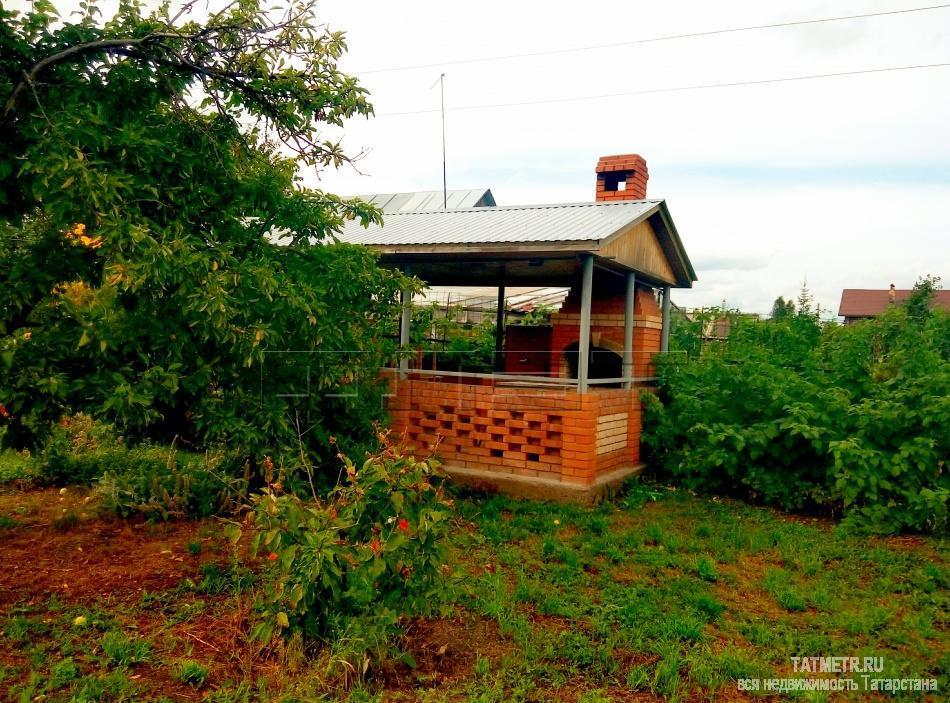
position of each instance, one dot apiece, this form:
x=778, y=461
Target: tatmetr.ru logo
x=838, y=665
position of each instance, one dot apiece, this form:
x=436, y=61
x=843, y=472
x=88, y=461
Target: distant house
x=863, y=303
x=428, y=200
x=715, y=328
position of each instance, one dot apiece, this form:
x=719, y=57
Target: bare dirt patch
x=742, y=591
x=446, y=650
x=62, y=547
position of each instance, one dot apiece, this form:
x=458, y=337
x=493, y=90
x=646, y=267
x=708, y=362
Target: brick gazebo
x=560, y=415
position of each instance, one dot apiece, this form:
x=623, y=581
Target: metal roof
x=863, y=302
x=576, y=222
x=427, y=200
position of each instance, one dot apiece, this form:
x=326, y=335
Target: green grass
x=658, y=592
x=705, y=592
x=15, y=466
x=192, y=673
x=120, y=650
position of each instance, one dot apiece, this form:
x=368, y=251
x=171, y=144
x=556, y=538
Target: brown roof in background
x=863, y=302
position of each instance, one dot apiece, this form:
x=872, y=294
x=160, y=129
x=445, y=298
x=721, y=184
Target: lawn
x=656, y=595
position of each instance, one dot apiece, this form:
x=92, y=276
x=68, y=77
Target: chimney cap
x=621, y=162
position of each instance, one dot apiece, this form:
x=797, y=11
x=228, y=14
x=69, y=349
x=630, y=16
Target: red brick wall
x=527, y=432
x=527, y=349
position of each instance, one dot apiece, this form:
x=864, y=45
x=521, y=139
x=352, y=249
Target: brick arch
x=604, y=362
x=607, y=320
x=607, y=342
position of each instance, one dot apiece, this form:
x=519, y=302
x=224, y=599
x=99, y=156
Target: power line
x=649, y=40
x=674, y=89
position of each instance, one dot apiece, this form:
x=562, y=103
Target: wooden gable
x=638, y=247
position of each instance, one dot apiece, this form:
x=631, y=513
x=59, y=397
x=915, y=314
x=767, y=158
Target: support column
x=665, y=334
x=405, y=322
x=628, y=329
x=500, y=331
x=583, y=352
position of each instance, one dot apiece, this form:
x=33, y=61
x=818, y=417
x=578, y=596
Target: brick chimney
x=621, y=177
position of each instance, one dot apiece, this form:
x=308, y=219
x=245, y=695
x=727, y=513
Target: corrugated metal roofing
x=484, y=225
x=431, y=200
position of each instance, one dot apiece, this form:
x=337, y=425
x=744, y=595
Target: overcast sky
x=841, y=181
x=844, y=182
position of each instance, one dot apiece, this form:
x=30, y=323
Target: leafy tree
x=921, y=299
x=148, y=161
x=782, y=308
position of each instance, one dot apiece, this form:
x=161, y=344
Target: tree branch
x=101, y=45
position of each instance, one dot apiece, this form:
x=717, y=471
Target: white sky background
x=844, y=182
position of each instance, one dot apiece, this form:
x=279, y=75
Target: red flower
x=272, y=556
x=3, y=411
x=403, y=524
x=376, y=546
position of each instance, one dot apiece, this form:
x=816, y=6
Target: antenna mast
x=445, y=191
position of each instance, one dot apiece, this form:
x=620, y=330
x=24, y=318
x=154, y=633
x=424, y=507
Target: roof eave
x=540, y=248
x=678, y=244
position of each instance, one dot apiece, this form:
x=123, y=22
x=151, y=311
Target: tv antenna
x=445, y=191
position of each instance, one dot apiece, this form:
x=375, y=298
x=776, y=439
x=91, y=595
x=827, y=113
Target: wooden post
x=583, y=352
x=665, y=334
x=628, y=329
x=405, y=321
x=500, y=331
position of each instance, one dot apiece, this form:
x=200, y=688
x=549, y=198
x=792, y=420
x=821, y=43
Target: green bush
x=352, y=567
x=452, y=345
x=890, y=471
x=158, y=482
x=150, y=480
x=844, y=419
x=78, y=451
x=16, y=466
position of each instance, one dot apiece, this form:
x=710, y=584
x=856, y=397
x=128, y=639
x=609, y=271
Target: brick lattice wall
x=527, y=432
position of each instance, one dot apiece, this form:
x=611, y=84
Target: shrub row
x=149, y=480
x=849, y=420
